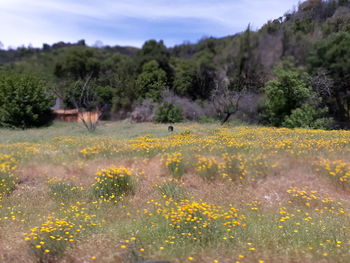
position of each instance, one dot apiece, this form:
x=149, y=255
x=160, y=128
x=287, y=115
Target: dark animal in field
x=170, y=128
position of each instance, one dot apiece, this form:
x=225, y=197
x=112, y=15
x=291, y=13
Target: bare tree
x=322, y=84
x=87, y=102
x=226, y=102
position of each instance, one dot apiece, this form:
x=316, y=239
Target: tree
x=87, y=100
x=153, y=50
x=185, y=77
x=78, y=63
x=226, y=102
x=205, y=78
x=285, y=93
x=245, y=66
x=24, y=101
x=152, y=81
x=333, y=56
x=290, y=101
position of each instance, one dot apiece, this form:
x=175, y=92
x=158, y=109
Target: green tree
x=153, y=50
x=152, y=81
x=24, y=101
x=78, y=63
x=245, y=74
x=333, y=56
x=168, y=113
x=185, y=77
x=119, y=72
x=288, y=91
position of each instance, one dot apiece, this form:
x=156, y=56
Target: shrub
x=336, y=170
x=208, y=222
x=168, y=113
x=174, y=164
x=49, y=241
x=308, y=117
x=24, y=101
x=64, y=190
x=208, y=168
x=234, y=167
x=205, y=119
x=113, y=184
x=172, y=189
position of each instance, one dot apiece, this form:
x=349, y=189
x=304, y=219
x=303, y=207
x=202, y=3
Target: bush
x=24, y=101
x=49, y=241
x=308, y=117
x=174, y=164
x=64, y=190
x=208, y=168
x=172, y=189
x=168, y=113
x=113, y=184
x=7, y=179
x=208, y=222
x=205, y=119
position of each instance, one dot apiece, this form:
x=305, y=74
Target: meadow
x=204, y=193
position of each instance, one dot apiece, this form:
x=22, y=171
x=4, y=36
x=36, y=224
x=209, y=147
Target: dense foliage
x=24, y=101
x=168, y=113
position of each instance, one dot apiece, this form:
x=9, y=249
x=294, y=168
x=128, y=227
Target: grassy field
x=205, y=193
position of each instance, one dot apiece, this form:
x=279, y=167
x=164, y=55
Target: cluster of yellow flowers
x=113, y=184
x=8, y=165
x=193, y=219
x=312, y=199
x=207, y=167
x=58, y=232
x=174, y=164
x=21, y=150
x=185, y=221
x=338, y=170
x=11, y=213
x=234, y=167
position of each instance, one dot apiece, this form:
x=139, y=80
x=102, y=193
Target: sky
x=131, y=22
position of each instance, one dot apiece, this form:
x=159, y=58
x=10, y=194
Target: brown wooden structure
x=73, y=115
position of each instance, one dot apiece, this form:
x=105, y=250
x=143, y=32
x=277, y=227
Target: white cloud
x=23, y=21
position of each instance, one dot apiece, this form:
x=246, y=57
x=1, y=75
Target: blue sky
x=131, y=22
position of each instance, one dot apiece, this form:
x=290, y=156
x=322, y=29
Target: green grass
x=116, y=130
